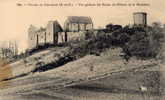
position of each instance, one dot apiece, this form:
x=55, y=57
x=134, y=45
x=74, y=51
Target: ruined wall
x=32, y=38
x=50, y=32
x=53, y=29
x=41, y=37
x=74, y=27
x=89, y=27
x=75, y=35
x=62, y=37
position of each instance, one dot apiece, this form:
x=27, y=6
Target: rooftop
x=139, y=13
x=79, y=19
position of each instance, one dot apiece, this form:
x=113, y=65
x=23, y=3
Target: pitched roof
x=79, y=19
x=56, y=26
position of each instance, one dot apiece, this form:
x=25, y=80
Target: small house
x=78, y=23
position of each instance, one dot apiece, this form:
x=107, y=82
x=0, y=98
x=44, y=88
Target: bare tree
x=9, y=49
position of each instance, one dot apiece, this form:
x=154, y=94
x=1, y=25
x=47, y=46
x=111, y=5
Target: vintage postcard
x=82, y=50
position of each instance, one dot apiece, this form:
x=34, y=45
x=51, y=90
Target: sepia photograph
x=82, y=50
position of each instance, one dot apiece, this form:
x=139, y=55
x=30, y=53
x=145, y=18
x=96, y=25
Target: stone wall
x=41, y=37
x=75, y=35
x=74, y=27
x=32, y=37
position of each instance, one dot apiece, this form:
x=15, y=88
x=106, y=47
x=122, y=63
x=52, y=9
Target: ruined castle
x=74, y=26
x=54, y=33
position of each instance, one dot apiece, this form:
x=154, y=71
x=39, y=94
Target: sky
x=15, y=20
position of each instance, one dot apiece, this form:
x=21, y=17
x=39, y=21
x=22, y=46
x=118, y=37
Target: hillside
x=83, y=70
x=102, y=73
x=132, y=43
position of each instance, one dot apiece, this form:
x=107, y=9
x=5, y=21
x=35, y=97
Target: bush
x=139, y=46
x=137, y=41
x=93, y=44
x=145, y=44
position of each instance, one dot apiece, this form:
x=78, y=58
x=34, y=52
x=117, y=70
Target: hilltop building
x=53, y=28
x=54, y=34
x=140, y=19
x=48, y=35
x=78, y=23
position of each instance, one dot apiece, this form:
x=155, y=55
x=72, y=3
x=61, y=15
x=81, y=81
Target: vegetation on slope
x=143, y=43
x=140, y=42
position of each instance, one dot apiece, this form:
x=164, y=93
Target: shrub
x=93, y=44
x=145, y=44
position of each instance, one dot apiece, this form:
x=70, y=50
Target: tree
x=9, y=49
x=145, y=44
x=138, y=45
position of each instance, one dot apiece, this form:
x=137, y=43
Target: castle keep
x=140, y=19
x=48, y=35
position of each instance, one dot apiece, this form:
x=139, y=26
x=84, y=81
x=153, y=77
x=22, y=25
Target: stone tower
x=52, y=30
x=140, y=19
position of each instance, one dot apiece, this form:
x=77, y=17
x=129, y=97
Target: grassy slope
x=86, y=69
